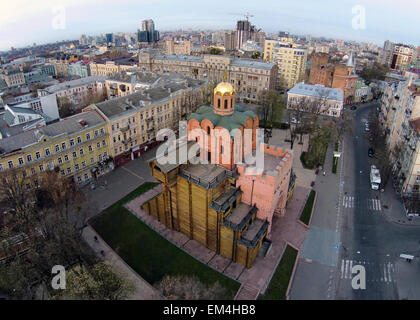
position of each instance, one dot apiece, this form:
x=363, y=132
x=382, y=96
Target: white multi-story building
x=316, y=98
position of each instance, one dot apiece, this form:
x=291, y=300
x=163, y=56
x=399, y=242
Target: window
x=96, y=133
x=74, y=155
x=66, y=157
x=33, y=170
x=76, y=167
x=102, y=130
x=10, y=164
x=103, y=142
x=68, y=170
x=63, y=145
x=100, y=157
x=81, y=152
x=84, y=164
x=218, y=103
x=86, y=176
x=226, y=103
x=71, y=142
x=90, y=149
x=98, y=145
x=60, y=161
x=20, y=161
x=79, y=179
x=29, y=157
x=57, y=148
x=63, y=173
x=79, y=140
x=92, y=160
x=208, y=130
x=41, y=168
x=47, y=152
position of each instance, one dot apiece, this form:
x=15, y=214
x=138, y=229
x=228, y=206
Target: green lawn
x=280, y=281
x=148, y=253
x=305, y=217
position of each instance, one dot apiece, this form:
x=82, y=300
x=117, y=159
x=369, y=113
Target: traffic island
x=307, y=211
x=280, y=283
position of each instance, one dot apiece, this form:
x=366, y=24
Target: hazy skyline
x=26, y=21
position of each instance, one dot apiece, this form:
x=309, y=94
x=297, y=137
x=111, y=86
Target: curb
x=292, y=276
x=307, y=226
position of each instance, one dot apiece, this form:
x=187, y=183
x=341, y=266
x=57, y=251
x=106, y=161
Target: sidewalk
x=395, y=212
x=408, y=278
x=143, y=290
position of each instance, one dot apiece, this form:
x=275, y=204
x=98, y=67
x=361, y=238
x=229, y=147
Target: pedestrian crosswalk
x=374, y=204
x=371, y=204
x=348, y=202
x=383, y=272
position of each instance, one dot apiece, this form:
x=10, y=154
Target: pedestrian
x=102, y=252
x=323, y=173
x=96, y=238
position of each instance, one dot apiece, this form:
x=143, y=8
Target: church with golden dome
x=221, y=205
x=223, y=114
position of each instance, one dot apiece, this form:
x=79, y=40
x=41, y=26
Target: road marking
x=133, y=173
x=374, y=204
x=385, y=275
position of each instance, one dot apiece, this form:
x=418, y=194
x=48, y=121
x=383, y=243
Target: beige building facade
x=248, y=77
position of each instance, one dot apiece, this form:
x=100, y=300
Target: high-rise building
x=148, y=33
x=290, y=60
x=243, y=32
x=109, y=39
x=230, y=41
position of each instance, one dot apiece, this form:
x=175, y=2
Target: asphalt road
x=349, y=228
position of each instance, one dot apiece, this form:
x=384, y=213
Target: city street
x=352, y=227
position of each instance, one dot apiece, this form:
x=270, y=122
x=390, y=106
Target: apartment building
x=108, y=66
x=134, y=120
x=178, y=47
x=399, y=117
x=76, y=91
x=247, y=76
x=77, y=147
x=290, y=60
x=316, y=98
x=13, y=77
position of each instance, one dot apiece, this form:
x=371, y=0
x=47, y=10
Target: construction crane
x=246, y=15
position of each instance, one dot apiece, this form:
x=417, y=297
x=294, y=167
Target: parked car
x=367, y=129
x=371, y=152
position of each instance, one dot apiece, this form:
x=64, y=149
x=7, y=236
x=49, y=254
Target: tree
x=215, y=51
x=65, y=107
x=256, y=55
x=45, y=225
x=270, y=106
x=189, y=288
x=96, y=282
x=376, y=72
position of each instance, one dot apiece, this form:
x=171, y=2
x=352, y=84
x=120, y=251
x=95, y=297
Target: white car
x=294, y=121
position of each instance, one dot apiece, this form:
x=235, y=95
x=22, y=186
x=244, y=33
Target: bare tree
x=189, y=288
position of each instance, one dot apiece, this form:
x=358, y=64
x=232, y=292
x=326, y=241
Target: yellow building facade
x=76, y=147
x=290, y=60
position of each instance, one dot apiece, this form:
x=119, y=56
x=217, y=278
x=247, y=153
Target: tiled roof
x=229, y=122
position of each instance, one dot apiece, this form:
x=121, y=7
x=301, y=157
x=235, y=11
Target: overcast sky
x=23, y=22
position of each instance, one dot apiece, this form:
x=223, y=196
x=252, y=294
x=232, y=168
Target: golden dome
x=224, y=87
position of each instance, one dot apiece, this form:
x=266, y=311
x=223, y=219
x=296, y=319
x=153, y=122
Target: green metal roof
x=230, y=122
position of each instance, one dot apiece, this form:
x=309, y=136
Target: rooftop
x=138, y=100
x=229, y=122
x=318, y=91
x=67, y=126
x=74, y=83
